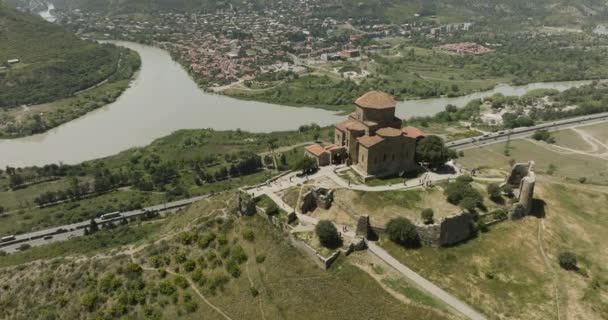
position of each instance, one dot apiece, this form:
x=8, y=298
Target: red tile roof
x=376, y=100
x=389, y=132
x=370, y=141
x=412, y=132
x=315, y=149
x=356, y=126
x=342, y=125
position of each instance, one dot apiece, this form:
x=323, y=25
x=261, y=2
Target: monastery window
x=393, y=157
x=384, y=158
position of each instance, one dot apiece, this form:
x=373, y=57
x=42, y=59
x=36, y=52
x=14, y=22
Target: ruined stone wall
x=448, y=231
x=308, y=202
x=456, y=229
x=526, y=191
x=246, y=204
x=320, y=197
x=429, y=234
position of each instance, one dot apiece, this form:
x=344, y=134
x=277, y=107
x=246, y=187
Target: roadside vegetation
x=186, y=163
x=205, y=262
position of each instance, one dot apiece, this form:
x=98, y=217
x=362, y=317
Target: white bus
x=111, y=215
x=7, y=238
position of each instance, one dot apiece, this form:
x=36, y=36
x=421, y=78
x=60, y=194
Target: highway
x=66, y=232
x=524, y=132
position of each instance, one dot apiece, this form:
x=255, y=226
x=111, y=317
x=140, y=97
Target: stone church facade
x=373, y=139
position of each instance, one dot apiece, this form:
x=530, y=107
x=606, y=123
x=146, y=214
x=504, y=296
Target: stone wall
x=456, y=229
x=448, y=231
x=319, y=197
x=523, y=178
x=308, y=202
x=323, y=262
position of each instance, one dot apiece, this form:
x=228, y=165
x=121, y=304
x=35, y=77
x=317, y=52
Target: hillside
x=52, y=63
x=537, y=12
x=205, y=262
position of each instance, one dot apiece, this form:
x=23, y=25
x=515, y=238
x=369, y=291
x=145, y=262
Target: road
x=291, y=180
x=524, y=132
x=65, y=232
x=424, y=283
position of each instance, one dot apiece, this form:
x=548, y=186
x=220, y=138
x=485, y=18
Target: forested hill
x=52, y=62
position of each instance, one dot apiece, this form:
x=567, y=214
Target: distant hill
x=550, y=12
x=541, y=12
x=52, y=62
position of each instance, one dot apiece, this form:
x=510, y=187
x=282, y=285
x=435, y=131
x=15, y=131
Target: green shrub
x=90, y=301
x=260, y=258
x=427, y=216
x=567, y=260
x=248, y=235
x=272, y=209
x=180, y=282
x=166, y=287
x=494, y=191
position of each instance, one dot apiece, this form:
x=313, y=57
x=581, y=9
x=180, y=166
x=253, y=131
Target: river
x=163, y=99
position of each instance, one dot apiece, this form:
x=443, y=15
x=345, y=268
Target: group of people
x=426, y=181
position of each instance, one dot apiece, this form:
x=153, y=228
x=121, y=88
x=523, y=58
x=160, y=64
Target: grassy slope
x=503, y=273
x=289, y=286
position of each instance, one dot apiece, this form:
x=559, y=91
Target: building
x=372, y=139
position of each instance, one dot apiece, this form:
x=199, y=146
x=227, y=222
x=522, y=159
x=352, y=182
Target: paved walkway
x=425, y=284
x=292, y=180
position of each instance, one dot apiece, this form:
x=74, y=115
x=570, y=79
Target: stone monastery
x=372, y=139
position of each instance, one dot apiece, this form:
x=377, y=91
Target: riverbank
x=35, y=119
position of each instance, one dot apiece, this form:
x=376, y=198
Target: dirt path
x=541, y=227
x=195, y=289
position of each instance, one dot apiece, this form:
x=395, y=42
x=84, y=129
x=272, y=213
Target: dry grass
x=503, y=274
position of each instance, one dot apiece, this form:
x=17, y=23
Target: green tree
x=432, y=150
x=306, y=164
x=328, y=234
x=401, y=231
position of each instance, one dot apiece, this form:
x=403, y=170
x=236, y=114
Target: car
x=47, y=237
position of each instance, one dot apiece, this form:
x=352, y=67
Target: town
x=230, y=46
